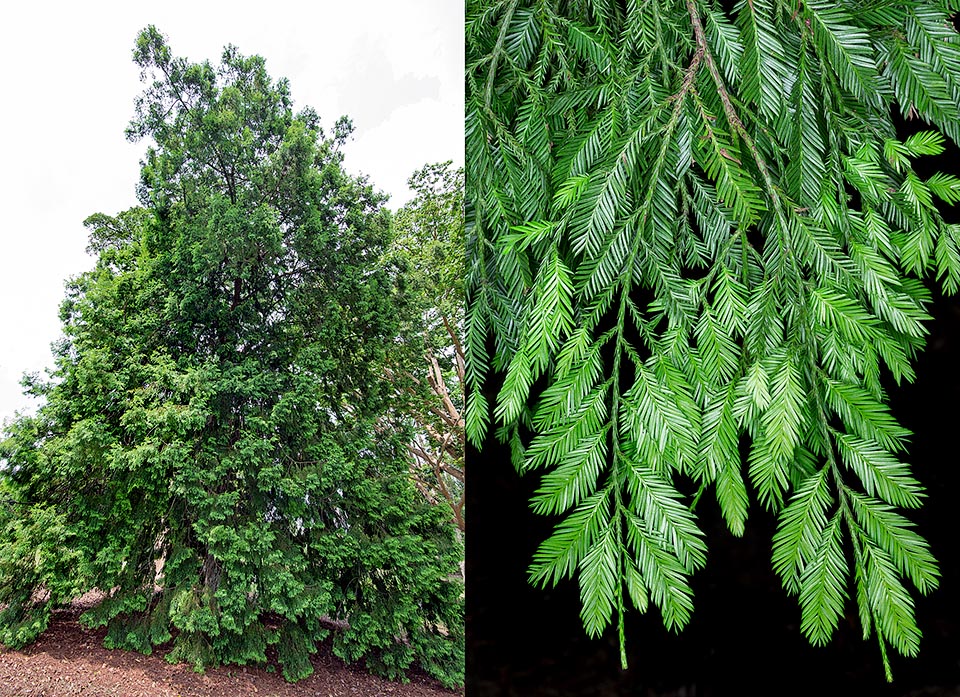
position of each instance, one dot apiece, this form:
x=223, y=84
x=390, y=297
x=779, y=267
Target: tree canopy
x=697, y=247
x=210, y=453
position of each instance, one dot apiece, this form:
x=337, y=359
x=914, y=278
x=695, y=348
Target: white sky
x=68, y=90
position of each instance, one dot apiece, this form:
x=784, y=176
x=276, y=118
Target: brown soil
x=69, y=659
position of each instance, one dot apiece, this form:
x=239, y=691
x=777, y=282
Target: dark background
x=744, y=638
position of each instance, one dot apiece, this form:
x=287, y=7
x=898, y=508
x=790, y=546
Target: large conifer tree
x=696, y=247
x=213, y=452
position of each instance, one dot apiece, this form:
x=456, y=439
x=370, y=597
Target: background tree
x=429, y=238
x=215, y=404
x=695, y=244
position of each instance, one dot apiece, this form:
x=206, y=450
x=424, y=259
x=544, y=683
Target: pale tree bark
x=437, y=448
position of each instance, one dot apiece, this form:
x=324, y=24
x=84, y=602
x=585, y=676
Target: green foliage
x=430, y=367
x=37, y=565
x=692, y=235
x=211, y=450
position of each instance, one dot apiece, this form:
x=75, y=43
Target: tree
x=208, y=452
x=696, y=252
x=429, y=238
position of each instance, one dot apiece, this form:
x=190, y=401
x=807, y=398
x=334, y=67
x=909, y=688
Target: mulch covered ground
x=69, y=659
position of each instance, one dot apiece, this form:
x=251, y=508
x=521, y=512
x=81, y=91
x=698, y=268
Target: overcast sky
x=68, y=90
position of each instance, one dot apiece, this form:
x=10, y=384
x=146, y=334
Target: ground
x=69, y=659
